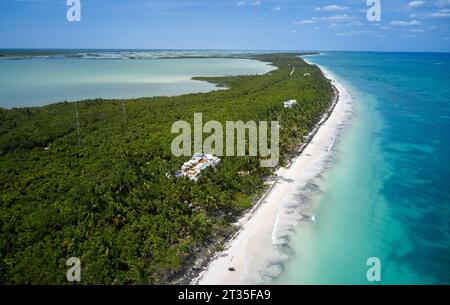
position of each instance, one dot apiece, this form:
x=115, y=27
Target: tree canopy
x=106, y=198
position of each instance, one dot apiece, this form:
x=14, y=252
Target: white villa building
x=290, y=103
x=199, y=162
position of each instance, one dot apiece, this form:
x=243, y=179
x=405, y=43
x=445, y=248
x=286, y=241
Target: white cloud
x=332, y=8
x=405, y=23
x=416, y=30
x=302, y=22
x=416, y=3
x=351, y=33
x=355, y=23
x=248, y=2
x=338, y=17
x=442, y=2
x=332, y=19
x=442, y=13
x=277, y=9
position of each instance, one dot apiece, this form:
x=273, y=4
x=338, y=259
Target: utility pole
x=124, y=113
x=78, y=124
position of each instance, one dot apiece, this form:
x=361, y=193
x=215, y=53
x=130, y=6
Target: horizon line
x=219, y=49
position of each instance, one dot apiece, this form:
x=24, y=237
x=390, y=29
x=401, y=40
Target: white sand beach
x=256, y=251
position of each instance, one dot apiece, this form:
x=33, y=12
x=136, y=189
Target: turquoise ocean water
x=388, y=194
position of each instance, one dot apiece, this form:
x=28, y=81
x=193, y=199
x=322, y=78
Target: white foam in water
x=299, y=207
x=261, y=247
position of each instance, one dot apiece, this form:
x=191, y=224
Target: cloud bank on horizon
x=410, y=25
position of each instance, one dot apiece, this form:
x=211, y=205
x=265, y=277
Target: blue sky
x=410, y=25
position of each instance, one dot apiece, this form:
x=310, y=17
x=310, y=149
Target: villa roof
x=199, y=162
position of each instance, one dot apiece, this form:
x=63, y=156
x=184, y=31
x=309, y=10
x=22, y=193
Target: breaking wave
x=299, y=208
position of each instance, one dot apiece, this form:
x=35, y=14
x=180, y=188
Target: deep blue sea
x=388, y=195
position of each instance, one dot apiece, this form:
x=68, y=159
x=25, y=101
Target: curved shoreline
x=115, y=79
x=252, y=247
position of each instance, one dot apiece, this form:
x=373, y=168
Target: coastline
x=208, y=246
x=255, y=249
x=112, y=79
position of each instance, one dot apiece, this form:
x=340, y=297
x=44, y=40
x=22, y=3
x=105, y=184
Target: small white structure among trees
x=290, y=103
x=199, y=162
